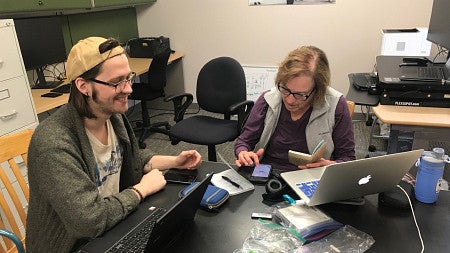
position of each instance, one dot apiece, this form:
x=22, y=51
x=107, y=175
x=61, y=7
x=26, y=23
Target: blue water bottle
x=429, y=175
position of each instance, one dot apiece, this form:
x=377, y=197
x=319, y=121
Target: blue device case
x=213, y=198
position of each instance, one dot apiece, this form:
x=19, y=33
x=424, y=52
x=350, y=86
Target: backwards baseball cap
x=86, y=54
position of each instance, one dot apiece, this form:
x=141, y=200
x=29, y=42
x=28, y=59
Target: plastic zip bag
x=270, y=237
x=345, y=239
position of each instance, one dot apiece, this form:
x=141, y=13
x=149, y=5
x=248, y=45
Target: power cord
x=441, y=51
x=414, y=217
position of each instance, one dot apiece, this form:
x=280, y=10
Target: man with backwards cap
x=85, y=169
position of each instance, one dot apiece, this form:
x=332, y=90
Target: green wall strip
x=119, y=23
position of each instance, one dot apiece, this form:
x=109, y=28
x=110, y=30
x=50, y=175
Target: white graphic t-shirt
x=109, y=162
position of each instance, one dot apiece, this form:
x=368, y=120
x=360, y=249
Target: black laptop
x=158, y=231
x=425, y=73
x=393, y=73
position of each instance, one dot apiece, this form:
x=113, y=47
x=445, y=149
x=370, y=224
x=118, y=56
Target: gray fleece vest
x=320, y=125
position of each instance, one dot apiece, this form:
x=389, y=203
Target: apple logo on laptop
x=364, y=180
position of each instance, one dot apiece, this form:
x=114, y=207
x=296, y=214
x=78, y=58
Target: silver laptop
x=351, y=179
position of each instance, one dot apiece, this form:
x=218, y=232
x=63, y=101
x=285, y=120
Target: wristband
x=138, y=192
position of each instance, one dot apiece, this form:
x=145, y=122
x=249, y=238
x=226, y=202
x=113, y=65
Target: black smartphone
x=261, y=173
x=181, y=176
x=51, y=94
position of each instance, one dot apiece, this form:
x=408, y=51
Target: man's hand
x=151, y=183
x=189, y=159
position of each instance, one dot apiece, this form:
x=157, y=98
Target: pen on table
x=231, y=181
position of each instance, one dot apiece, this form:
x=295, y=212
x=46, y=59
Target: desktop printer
x=147, y=47
x=414, y=92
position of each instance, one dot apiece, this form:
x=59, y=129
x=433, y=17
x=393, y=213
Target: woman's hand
x=249, y=158
x=189, y=159
x=320, y=163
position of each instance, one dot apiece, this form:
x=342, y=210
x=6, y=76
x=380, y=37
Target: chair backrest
x=13, y=201
x=221, y=83
x=156, y=73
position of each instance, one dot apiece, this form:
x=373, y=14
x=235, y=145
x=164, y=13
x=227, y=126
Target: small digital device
x=51, y=94
x=266, y=216
x=181, y=176
x=261, y=173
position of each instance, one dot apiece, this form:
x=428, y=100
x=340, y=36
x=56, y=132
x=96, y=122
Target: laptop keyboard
x=137, y=238
x=308, y=188
x=363, y=81
x=430, y=72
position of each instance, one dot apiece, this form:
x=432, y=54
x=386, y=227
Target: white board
x=259, y=79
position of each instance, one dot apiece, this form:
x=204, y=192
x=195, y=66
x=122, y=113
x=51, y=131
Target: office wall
x=116, y=23
x=349, y=31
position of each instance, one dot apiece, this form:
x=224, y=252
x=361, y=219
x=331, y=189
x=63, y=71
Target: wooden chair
x=11, y=236
x=351, y=107
x=13, y=146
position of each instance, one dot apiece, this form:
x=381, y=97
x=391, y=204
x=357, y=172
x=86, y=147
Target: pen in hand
x=231, y=181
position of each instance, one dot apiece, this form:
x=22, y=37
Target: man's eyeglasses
x=119, y=86
x=297, y=95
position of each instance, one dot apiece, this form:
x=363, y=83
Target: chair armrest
x=14, y=238
x=242, y=109
x=180, y=104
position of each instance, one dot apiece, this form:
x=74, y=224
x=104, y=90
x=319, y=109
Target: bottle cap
x=438, y=153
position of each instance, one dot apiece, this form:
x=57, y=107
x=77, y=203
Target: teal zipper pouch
x=213, y=198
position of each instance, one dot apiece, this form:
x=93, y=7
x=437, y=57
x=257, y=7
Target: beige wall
x=349, y=31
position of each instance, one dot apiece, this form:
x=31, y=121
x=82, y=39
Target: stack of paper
x=232, y=181
x=306, y=220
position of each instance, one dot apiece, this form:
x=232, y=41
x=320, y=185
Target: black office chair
x=221, y=88
x=151, y=90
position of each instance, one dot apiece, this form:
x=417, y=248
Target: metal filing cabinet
x=17, y=110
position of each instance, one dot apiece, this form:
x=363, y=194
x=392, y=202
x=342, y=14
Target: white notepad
x=233, y=175
x=299, y=158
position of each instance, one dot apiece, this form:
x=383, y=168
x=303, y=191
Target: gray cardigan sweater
x=65, y=208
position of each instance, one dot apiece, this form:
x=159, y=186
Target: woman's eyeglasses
x=119, y=86
x=297, y=95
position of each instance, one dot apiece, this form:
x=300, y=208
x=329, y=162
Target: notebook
x=351, y=179
x=232, y=181
x=168, y=227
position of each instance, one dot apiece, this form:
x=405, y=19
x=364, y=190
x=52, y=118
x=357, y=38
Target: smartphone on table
x=181, y=176
x=256, y=174
x=261, y=173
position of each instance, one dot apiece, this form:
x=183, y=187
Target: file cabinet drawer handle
x=8, y=116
